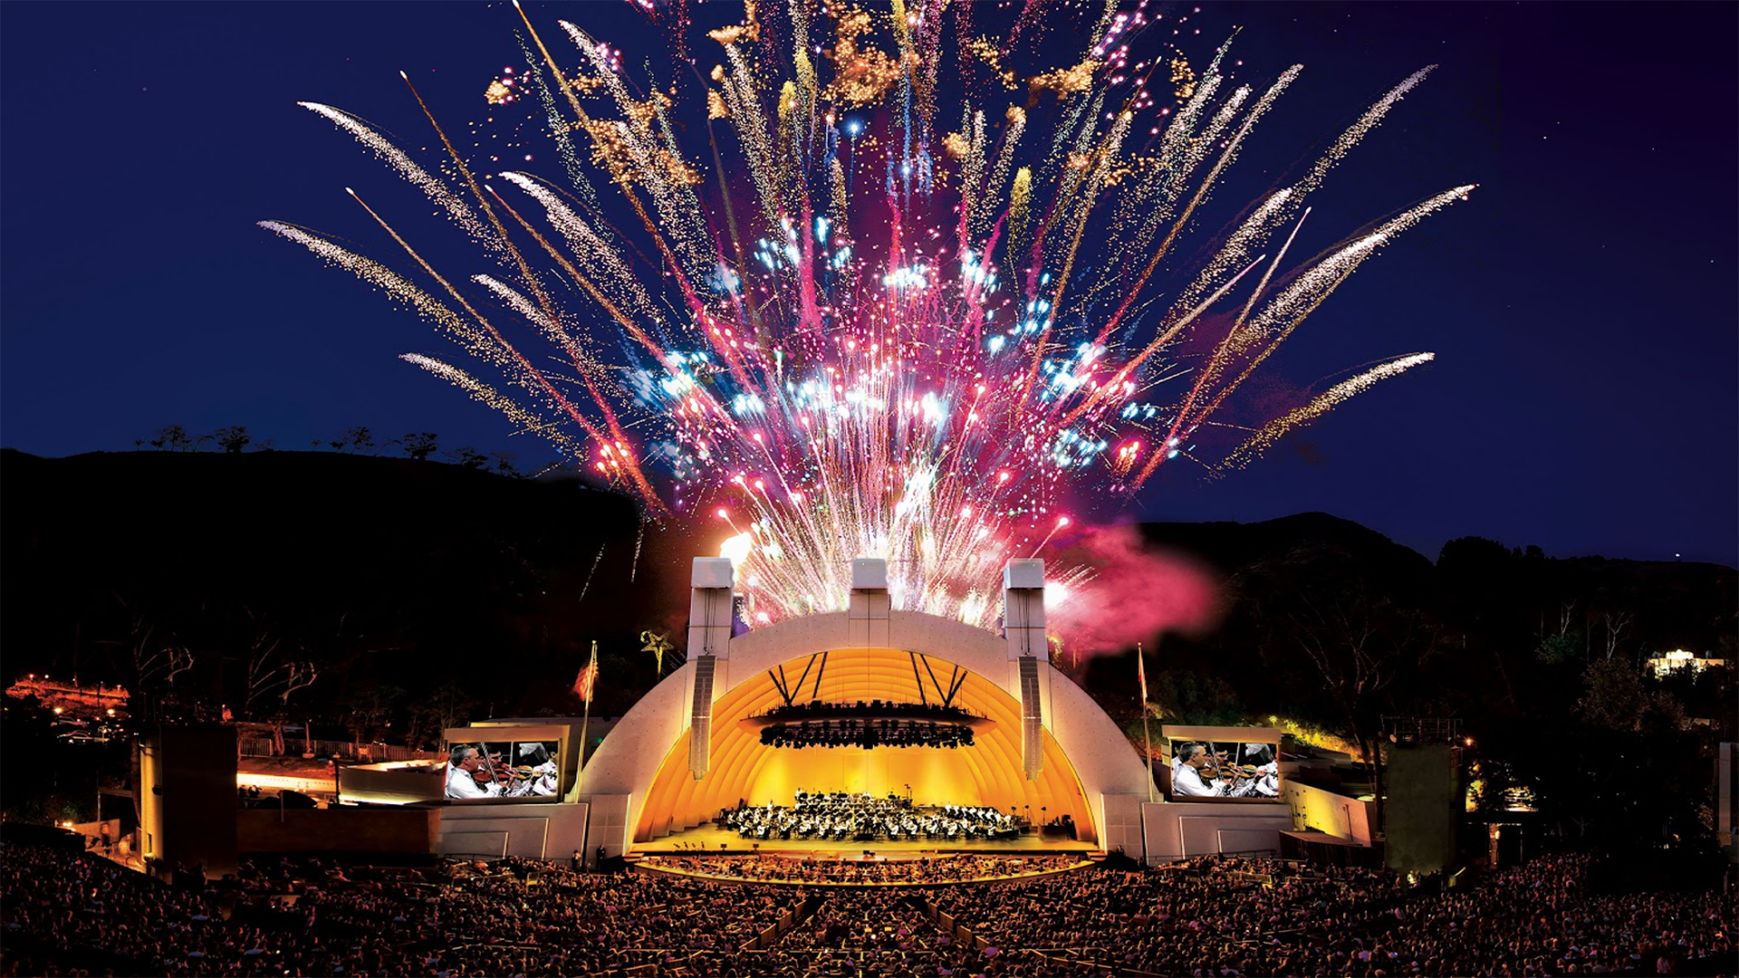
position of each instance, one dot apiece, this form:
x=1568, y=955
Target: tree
x=173, y=438
x=359, y=438
x=470, y=458
x=1616, y=699
x=232, y=439
x=271, y=678
x=1354, y=630
x=418, y=446
x=1559, y=649
x=1616, y=622
x=504, y=463
x=155, y=661
x=1564, y=644
x=448, y=706
x=1189, y=698
x=370, y=709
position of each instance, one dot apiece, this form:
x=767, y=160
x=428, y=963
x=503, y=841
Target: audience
x=68, y=914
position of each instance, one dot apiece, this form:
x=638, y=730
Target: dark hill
x=377, y=565
x=1233, y=547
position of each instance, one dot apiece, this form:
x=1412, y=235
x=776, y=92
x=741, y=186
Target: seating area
x=75, y=914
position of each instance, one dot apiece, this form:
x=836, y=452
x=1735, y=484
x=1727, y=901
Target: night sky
x=1582, y=304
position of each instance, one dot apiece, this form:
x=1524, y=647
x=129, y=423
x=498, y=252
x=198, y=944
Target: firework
x=862, y=330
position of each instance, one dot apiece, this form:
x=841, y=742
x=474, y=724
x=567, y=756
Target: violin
x=1226, y=771
x=492, y=770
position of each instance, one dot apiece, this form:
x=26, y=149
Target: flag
x=1141, y=671
x=588, y=677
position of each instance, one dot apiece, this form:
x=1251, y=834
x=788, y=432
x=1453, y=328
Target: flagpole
x=1146, y=730
x=586, y=719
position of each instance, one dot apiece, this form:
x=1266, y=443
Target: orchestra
x=839, y=816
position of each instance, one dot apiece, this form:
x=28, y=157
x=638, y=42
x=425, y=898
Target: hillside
x=419, y=575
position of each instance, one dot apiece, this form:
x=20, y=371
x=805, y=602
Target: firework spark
x=873, y=332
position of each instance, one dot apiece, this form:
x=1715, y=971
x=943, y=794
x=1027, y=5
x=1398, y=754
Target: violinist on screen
x=463, y=764
x=1187, y=779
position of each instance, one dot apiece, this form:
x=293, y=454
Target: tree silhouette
x=448, y=706
x=155, y=658
x=1355, y=631
x=172, y=438
x=359, y=438
x=233, y=438
x=272, y=678
x=470, y=458
x=370, y=708
x=418, y=445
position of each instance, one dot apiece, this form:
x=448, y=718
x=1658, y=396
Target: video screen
x=503, y=769
x=1208, y=769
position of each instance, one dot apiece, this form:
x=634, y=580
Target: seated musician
x=1188, y=781
x=462, y=764
x=537, y=772
x=1267, y=783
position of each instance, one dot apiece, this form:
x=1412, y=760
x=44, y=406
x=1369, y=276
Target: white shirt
x=545, y=781
x=1269, y=783
x=460, y=784
x=1188, y=782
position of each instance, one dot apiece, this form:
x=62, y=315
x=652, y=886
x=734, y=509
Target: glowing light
x=737, y=549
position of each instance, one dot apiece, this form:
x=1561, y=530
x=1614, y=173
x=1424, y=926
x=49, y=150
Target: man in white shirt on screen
x=1187, y=781
x=462, y=764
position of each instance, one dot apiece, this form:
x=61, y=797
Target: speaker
x=189, y=814
x=1425, y=805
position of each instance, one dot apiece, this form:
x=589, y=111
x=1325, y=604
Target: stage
x=718, y=840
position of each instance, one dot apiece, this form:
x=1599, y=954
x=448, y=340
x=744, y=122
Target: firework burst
x=875, y=332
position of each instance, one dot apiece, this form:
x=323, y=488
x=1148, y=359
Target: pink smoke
x=1137, y=593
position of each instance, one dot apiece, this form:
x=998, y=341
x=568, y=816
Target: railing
x=1171, y=858
x=295, y=745
x=651, y=867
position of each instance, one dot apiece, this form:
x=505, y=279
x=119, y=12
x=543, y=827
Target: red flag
x=1141, y=670
x=588, y=677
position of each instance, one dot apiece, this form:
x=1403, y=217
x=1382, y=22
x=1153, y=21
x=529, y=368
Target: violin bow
x=488, y=763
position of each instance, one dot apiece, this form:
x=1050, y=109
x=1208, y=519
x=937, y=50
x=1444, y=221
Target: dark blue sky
x=1582, y=303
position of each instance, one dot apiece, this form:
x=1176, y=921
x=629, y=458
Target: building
x=713, y=735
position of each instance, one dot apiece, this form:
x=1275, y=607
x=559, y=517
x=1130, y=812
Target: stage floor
x=714, y=839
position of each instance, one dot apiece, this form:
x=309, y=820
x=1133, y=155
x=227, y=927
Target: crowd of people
x=838, y=816
x=1222, y=916
x=76, y=914
x=926, y=871
x=861, y=935
x=81, y=915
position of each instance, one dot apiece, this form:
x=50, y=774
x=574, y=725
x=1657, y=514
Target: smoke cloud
x=1136, y=594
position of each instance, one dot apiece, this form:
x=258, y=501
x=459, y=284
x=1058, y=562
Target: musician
x=462, y=764
x=1267, y=765
x=540, y=780
x=1187, y=781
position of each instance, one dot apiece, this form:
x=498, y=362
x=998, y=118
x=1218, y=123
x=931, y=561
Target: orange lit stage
x=871, y=701
x=744, y=769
